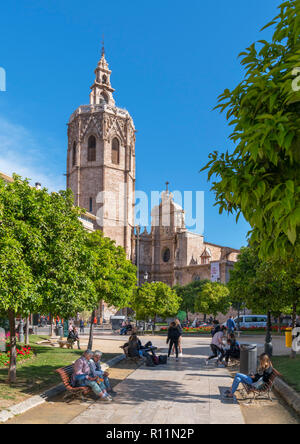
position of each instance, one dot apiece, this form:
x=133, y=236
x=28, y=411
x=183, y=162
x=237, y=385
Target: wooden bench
x=72, y=392
x=264, y=390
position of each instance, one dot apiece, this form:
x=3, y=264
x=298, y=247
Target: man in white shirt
x=217, y=346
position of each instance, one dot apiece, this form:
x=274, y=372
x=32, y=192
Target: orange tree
x=45, y=262
x=261, y=178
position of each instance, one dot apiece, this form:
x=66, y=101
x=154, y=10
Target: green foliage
x=182, y=315
x=189, y=293
x=155, y=299
x=261, y=179
x=44, y=258
x=265, y=285
x=114, y=276
x=213, y=299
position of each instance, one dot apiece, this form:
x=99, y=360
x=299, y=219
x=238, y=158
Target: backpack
x=155, y=360
x=149, y=360
x=162, y=359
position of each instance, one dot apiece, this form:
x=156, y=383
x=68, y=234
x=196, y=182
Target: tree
x=261, y=179
x=44, y=260
x=213, y=299
x=155, y=299
x=266, y=285
x=114, y=276
x=188, y=294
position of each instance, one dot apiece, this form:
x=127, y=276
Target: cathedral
x=101, y=166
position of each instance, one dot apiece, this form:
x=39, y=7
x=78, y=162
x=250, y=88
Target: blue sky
x=170, y=60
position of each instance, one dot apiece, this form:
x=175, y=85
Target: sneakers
x=106, y=399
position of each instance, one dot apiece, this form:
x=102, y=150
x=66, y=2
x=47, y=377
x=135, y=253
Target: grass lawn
x=37, y=374
x=290, y=370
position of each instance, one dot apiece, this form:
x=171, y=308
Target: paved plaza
x=184, y=392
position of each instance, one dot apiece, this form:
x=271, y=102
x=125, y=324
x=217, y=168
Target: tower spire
x=103, y=47
x=102, y=91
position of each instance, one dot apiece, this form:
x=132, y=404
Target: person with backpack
x=216, y=328
x=173, y=338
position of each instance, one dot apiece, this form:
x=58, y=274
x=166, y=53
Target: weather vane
x=103, y=47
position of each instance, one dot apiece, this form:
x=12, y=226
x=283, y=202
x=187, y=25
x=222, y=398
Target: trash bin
x=60, y=331
x=248, y=363
x=289, y=337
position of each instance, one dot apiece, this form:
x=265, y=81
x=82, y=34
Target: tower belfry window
x=74, y=154
x=92, y=149
x=115, y=151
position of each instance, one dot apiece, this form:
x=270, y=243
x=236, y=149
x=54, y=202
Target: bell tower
x=101, y=160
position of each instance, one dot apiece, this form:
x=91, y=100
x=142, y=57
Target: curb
x=37, y=400
x=291, y=397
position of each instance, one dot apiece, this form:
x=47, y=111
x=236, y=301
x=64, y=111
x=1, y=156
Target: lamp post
x=268, y=342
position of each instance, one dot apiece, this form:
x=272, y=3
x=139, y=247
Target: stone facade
x=101, y=160
x=172, y=254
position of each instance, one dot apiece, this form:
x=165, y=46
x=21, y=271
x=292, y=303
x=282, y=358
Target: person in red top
x=95, y=321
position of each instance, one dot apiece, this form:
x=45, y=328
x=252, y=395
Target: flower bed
x=206, y=330
x=23, y=354
x=264, y=329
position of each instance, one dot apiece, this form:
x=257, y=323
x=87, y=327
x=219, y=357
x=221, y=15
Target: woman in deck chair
x=261, y=378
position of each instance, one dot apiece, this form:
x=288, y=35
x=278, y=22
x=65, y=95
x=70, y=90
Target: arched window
x=74, y=154
x=115, y=151
x=92, y=149
x=166, y=255
x=104, y=80
x=103, y=98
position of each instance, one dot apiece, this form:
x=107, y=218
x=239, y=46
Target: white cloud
x=23, y=154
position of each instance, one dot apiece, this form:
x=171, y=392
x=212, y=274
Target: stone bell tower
x=101, y=160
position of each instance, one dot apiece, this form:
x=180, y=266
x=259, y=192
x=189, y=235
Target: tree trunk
x=51, y=325
x=90, y=345
x=101, y=312
x=27, y=331
x=294, y=317
x=12, y=373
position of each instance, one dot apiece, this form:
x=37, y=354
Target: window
x=104, y=80
x=91, y=205
x=92, y=149
x=74, y=154
x=115, y=151
x=166, y=255
x=103, y=98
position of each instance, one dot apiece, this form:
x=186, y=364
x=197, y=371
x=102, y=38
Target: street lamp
x=268, y=341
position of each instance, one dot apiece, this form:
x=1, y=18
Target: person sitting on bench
x=96, y=371
x=234, y=351
x=81, y=377
x=261, y=378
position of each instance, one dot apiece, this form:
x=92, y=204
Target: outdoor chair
x=72, y=392
x=265, y=390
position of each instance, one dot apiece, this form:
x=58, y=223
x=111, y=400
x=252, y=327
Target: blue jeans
x=240, y=378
